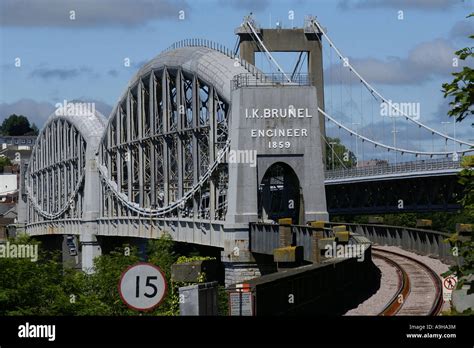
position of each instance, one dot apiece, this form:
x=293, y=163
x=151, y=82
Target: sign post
x=142, y=286
x=241, y=301
x=449, y=284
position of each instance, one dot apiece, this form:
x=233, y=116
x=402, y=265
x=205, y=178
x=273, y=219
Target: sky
x=50, y=54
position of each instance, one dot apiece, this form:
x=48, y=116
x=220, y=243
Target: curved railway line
x=419, y=289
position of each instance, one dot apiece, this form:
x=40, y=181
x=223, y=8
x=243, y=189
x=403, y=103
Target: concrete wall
x=264, y=238
x=8, y=183
x=304, y=155
x=331, y=288
x=289, y=40
x=236, y=272
x=198, y=299
x=420, y=241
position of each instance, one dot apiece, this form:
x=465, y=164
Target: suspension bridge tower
x=277, y=116
x=304, y=40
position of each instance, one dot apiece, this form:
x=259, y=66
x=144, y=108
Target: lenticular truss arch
x=56, y=170
x=168, y=134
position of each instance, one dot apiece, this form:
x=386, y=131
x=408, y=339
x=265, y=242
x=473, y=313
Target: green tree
x=4, y=161
x=462, y=86
x=99, y=293
x=465, y=248
x=18, y=125
x=342, y=156
x=47, y=287
x=462, y=89
x=34, y=130
x=30, y=288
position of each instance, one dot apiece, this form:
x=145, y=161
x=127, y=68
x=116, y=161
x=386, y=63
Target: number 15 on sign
x=142, y=286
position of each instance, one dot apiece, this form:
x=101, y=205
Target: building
x=22, y=141
x=16, y=153
x=8, y=215
x=371, y=163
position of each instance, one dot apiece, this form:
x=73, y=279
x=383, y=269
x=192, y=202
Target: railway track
x=419, y=289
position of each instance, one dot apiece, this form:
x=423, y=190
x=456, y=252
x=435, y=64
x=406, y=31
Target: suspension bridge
x=167, y=159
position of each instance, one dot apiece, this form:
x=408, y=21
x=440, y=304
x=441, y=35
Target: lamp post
x=332, y=143
x=394, y=132
x=454, y=135
x=357, y=141
x=445, y=132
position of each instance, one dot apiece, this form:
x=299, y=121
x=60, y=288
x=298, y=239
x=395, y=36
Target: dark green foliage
x=18, y=125
x=465, y=248
x=443, y=222
x=45, y=287
x=27, y=287
x=461, y=89
x=4, y=161
x=343, y=158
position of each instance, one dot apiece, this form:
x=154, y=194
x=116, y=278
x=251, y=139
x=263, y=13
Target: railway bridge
x=200, y=144
x=169, y=157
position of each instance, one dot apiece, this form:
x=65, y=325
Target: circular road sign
x=450, y=283
x=142, y=286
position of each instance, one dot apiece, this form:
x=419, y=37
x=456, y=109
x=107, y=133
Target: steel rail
x=438, y=301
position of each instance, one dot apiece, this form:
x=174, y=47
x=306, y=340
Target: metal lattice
x=56, y=173
x=162, y=148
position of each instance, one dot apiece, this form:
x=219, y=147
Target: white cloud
x=425, y=61
x=88, y=13
x=462, y=29
x=38, y=112
x=398, y=4
x=249, y=5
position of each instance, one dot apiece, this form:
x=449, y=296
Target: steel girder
x=56, y=173
x=165, y=134
x=422, y=194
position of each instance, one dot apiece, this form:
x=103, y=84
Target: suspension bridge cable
x=266, y=51
x=388, y=147
x=369, y=86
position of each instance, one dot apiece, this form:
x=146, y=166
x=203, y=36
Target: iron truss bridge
x=160, y=161
x=157, y=164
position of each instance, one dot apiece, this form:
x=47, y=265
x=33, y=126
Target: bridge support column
x=239, y=272
x=240, y=264
x=90, y=250
x=318, y=233
x=285, y=237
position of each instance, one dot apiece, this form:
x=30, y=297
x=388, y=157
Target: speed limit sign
x=142, y=286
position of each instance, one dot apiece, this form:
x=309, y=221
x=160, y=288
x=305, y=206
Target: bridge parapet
x=265, y=80
x=336, y=286
x=421, y=241
x=264, y=238
x=399, y=168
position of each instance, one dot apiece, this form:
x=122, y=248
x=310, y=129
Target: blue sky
x=83, y=58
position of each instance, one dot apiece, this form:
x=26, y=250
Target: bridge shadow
x=352, y=300
x=329, y=289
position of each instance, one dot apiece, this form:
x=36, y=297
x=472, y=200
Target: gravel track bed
x=389, y=285
x=388, y=288
x=422, y=293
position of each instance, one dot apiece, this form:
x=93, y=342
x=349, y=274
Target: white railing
x=399, y=168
